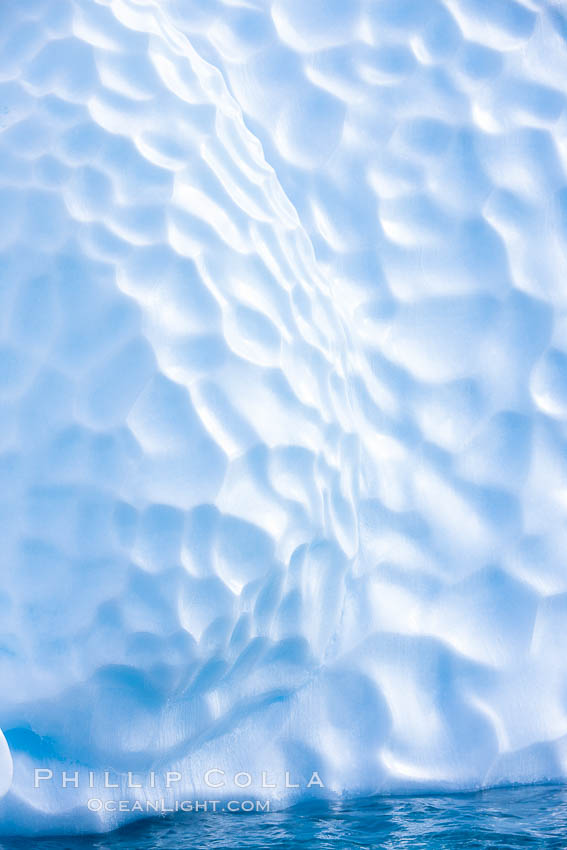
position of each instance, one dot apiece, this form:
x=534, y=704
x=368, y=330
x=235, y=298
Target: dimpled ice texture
x=283, y=397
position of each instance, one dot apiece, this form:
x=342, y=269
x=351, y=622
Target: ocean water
x=506, y=818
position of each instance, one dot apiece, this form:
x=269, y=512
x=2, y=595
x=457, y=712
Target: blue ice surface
x=507, y=819
x=283, y=407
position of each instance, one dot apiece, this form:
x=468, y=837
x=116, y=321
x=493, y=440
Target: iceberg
x=283, y=394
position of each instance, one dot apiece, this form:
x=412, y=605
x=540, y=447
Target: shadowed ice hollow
x=283, y=398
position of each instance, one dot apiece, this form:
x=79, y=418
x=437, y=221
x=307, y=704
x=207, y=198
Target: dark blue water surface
x=502, y=818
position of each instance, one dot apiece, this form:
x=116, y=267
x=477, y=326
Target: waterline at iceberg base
x=283, y=403
x=521, y=817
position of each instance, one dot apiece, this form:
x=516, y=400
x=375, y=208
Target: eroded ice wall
x=283, y=389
